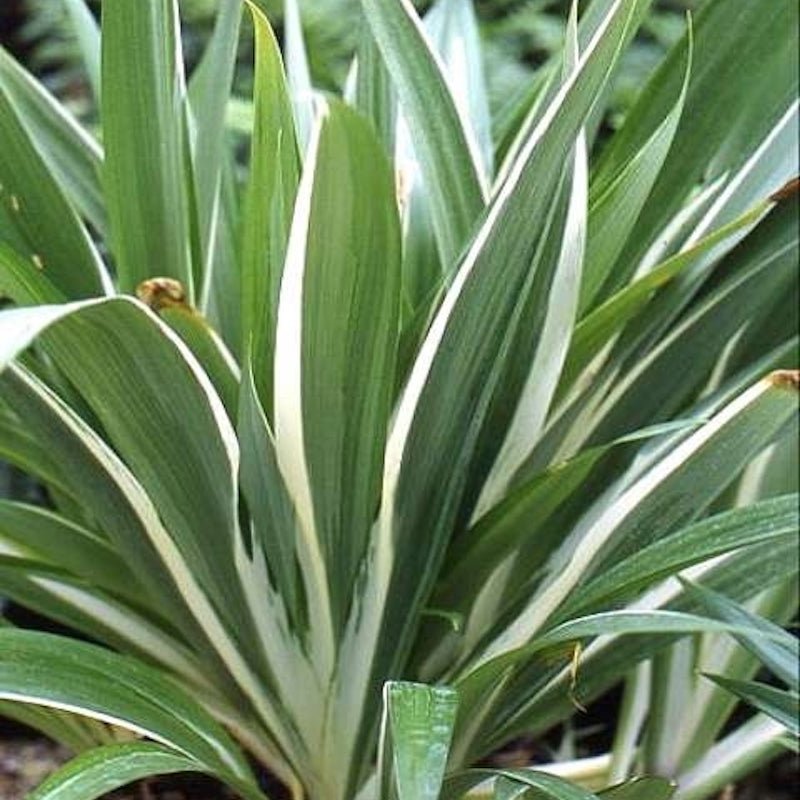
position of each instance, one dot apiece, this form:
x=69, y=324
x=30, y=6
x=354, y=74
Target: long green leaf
x=781, y=705
x=191, y=518
x=72, y=155
x=46, y=229
x=274, y=177
x=75, y=733
x=641, y=789
x=56, y=672
x=600, y=326
x=209, y=91
x=674, y=490
x=272, y=516
x=639, y=386
x=452, y=26
x=339, y=297
x=546, y=786
x=104, y=769
x=759, y=523
x=447, y=156
x=146, y=173
x=617, y=199
x=741, y=575
x=451, y=387
x=743, y=81
x=782, y=656
x=28, y=531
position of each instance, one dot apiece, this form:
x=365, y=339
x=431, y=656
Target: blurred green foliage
x=519, y=35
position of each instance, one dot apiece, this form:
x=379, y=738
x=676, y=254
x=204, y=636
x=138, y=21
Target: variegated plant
x=400, y=416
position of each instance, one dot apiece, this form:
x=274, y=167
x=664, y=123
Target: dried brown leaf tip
x=786, y=378
x=161, y=293
x=788, y=190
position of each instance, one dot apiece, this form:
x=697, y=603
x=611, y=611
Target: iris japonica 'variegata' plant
x=374, y=455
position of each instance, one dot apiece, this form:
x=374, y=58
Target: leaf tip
x=161, y=293
x=787, y=191
x=785, y=379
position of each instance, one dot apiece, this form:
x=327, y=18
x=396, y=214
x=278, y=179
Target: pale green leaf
x=416, y=730
x=781, y=705
x=87, y=32
x=298, y=74
x=270, y=196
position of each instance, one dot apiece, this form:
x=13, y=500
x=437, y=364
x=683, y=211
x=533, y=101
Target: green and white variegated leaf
x=100, y=615
x=641, y=789
x=448, y=157
x=270, y=197
x=416, y=729
x=146, y=171
x=60, y=675
x=103, y=769
x=56, y=672
x=770, y=520
x=546, y=786
x=599, y=328
x=36, y=218
x=72, y=155
x=30, y=532
x=774, y=162
x=209, y=90
x=711, y=706
x=298, y=74
x=559, y=315
x=676, y=488
x=373, y=93
x=272, y=516
x=539, y=698
x=780, y=704
x=750, y=746
x=75, y=733
x=207, y=347
x=617, y=197
x=776, y=648
x=83, y=466
x=272, y=578
x=340, y=296
x=466, y=357
x=757, y=273
x=751, y=56
x=170, y=508
x=452, y=27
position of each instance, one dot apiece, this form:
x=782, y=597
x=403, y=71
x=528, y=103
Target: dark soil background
x=25, y=760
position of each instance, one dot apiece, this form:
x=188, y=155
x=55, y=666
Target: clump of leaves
x=387, y=448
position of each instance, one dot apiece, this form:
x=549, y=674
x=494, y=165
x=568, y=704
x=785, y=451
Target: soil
x=24, y=763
